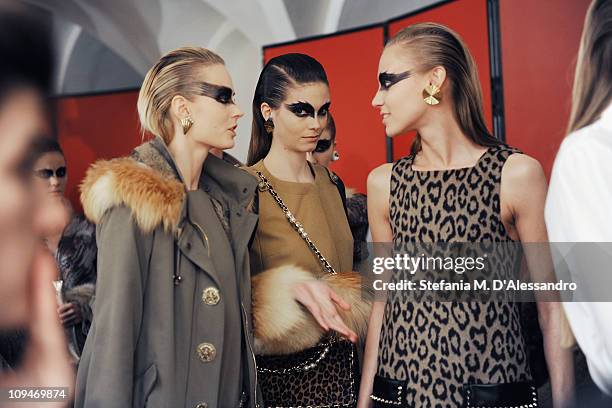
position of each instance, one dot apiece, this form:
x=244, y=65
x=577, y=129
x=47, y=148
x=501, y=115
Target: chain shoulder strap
x=264, y=185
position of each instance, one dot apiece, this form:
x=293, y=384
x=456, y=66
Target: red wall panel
x=351, y=63
x=95, y=127
x=540, y=41
x=469, y=19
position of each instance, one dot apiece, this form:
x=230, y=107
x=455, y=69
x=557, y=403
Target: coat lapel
x=193, y=240
x=194, y=245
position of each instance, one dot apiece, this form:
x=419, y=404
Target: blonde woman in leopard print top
x=458, y=184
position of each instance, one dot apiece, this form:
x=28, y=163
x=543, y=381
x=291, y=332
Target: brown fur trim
x=283, y=326
x=349, y=286
x=154, y=199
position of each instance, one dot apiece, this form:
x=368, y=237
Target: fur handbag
x=298, y=365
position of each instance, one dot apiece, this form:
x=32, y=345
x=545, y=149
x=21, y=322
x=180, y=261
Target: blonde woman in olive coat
x=172, y=309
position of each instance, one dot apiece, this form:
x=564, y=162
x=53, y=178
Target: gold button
x=210, y=296
x=206, y=352
x=201, y=405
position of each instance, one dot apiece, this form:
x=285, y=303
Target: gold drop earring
x=186, y=123
x=431, y=95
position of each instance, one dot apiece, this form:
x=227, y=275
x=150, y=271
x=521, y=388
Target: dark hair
x=592, y=91
x=26, y=50
x=42, y=145
x=331, y=126
x=435, y=45
x=277, y=76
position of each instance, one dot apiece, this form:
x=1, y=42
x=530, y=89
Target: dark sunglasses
x=60, y=172
x=219, y=93
x=322, y=145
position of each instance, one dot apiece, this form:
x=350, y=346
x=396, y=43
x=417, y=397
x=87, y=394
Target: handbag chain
x=264, y=185
x=304, y=366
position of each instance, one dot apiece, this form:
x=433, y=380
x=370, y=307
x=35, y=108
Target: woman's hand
x=321, y=301
x=70, y=314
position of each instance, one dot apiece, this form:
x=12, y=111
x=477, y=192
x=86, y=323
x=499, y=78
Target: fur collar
x=145, y=183
x=149, y=184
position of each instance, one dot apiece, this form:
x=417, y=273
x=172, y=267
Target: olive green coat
x=155, y=341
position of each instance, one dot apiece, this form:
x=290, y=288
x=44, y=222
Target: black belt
x=388, y=393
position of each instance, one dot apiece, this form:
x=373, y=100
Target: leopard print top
x=439, y=346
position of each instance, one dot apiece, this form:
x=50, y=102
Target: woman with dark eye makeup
x=50, y=179
x=325, y=151
x=73, y=243
x=458, y=185
x=307, y=304
x=171, y=323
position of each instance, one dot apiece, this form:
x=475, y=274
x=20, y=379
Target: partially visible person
x=580, y=195
x=22, y=120
x=26, y=271
x=71, y=240
x=324, y=154
x=50, y=177
x=325, y=151
x=76, y=258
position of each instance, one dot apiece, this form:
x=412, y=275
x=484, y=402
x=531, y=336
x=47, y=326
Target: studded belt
x=388, y=393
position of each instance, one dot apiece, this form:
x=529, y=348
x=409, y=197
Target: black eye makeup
x=219, y=93
x=387, y=80
x=304, y=109
x=322, y=145
x=60, y=172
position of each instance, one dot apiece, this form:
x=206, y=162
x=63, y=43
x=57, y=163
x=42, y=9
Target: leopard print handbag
x=326, y=375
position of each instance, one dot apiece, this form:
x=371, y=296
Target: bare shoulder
x=379, y=179
x=522, y=171
x=523, y=183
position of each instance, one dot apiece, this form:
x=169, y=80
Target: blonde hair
x=592, y=91
x=436, y=45
x=176, y=73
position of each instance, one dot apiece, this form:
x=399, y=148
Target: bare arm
x=524, y=192
x=378, y=216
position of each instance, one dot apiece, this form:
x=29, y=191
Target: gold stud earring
x=431, y=95
x=269, y=125
x=186, y=123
